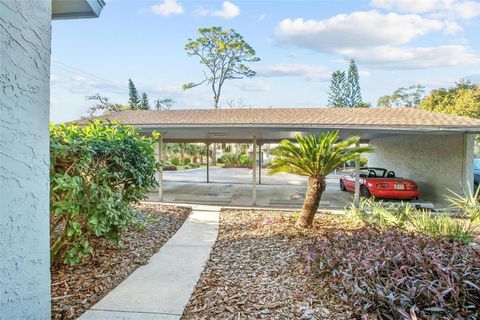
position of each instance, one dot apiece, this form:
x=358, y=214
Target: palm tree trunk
x=315, y=188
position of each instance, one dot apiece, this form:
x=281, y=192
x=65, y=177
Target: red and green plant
x=393, y=274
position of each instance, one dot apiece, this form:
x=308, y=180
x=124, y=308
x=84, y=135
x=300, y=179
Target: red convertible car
x=380, y=183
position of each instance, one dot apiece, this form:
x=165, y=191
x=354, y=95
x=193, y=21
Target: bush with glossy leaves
x=96, y=173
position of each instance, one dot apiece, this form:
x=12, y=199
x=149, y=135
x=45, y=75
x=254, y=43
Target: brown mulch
x=255, y=270
x=77, y=288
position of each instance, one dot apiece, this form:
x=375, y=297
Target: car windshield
x=476, y=164
x=372, y=172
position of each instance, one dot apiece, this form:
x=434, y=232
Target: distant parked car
x=476, y=173
x=381, y=183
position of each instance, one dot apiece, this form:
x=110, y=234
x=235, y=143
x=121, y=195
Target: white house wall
x=24, y=159
x=436, y=162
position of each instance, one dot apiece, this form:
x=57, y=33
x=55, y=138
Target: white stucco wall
x=436, y=162
x=25, y=36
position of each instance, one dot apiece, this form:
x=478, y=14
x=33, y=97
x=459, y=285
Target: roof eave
x=76, y=9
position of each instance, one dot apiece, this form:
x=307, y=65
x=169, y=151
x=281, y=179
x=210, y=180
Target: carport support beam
x=160, y=172
x=356, y=200
x=254, y=171
x=260, y=163
x=208, y=162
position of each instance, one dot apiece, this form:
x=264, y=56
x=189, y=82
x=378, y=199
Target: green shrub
x=175, y=161
x=230, y=159
x=442, y=226
x=403, y=216
x=194, y=165
x=96, y=173
x=468, y=205
x=245, y=160
x=187, y=161
x=379, y=214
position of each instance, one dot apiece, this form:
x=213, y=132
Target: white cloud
x=413, y=58
x=358, y=29
x=377, y=39
x=201, y=11
x=252, y=85
x=451, y=9
x=228, y=11
x=307, y=71
x=410, y=6
x=167, y=8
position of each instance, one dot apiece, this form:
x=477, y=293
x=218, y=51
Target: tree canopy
x=101, y=104
x=461, y=100
x=163, y=104
x=144, y=103
x=353, y=91
x=410, y=97
x=338, y=87
x=224, y=53
x=345, y=89
x=133, y=97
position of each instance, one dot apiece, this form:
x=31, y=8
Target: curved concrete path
x=161, y=289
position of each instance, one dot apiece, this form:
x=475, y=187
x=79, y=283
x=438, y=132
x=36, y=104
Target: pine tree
x=144, y=103
x=336, y=96
x=133, y=98
x=353, y=94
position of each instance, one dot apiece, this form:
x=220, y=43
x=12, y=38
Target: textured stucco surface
x=25, y=36
x=436, y=162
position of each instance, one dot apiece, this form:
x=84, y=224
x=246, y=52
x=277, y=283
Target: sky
x=395, y=43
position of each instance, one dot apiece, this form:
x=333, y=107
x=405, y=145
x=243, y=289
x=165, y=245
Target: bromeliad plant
x=314, y=157
x=96, y=173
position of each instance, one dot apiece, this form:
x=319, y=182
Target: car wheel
x=364, y=192
x=342, y=186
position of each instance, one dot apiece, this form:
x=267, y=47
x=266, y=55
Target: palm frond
x=315, y=155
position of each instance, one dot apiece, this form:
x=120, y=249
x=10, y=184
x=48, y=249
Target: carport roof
x=234, y=124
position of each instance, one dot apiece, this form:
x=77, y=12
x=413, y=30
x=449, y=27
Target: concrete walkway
x=161, y=289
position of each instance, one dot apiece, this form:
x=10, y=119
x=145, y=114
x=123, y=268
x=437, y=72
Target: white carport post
x=356, y=200
x=160, y=172
x=260, y=163
x=254, y=171
x=208, y=162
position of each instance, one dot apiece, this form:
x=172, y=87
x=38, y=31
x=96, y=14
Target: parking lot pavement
x=233, y=186
x=236, y=175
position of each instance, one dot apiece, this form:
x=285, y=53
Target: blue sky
x=300, y=43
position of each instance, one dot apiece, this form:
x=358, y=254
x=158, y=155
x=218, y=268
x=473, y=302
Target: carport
x=434, y=149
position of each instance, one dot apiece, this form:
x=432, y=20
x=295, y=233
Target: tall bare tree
x=224, y=54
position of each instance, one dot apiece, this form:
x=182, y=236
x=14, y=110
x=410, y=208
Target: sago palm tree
x=314, y=157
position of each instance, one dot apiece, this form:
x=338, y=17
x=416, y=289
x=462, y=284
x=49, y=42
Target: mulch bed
x=255, y=271
x=77, y=288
